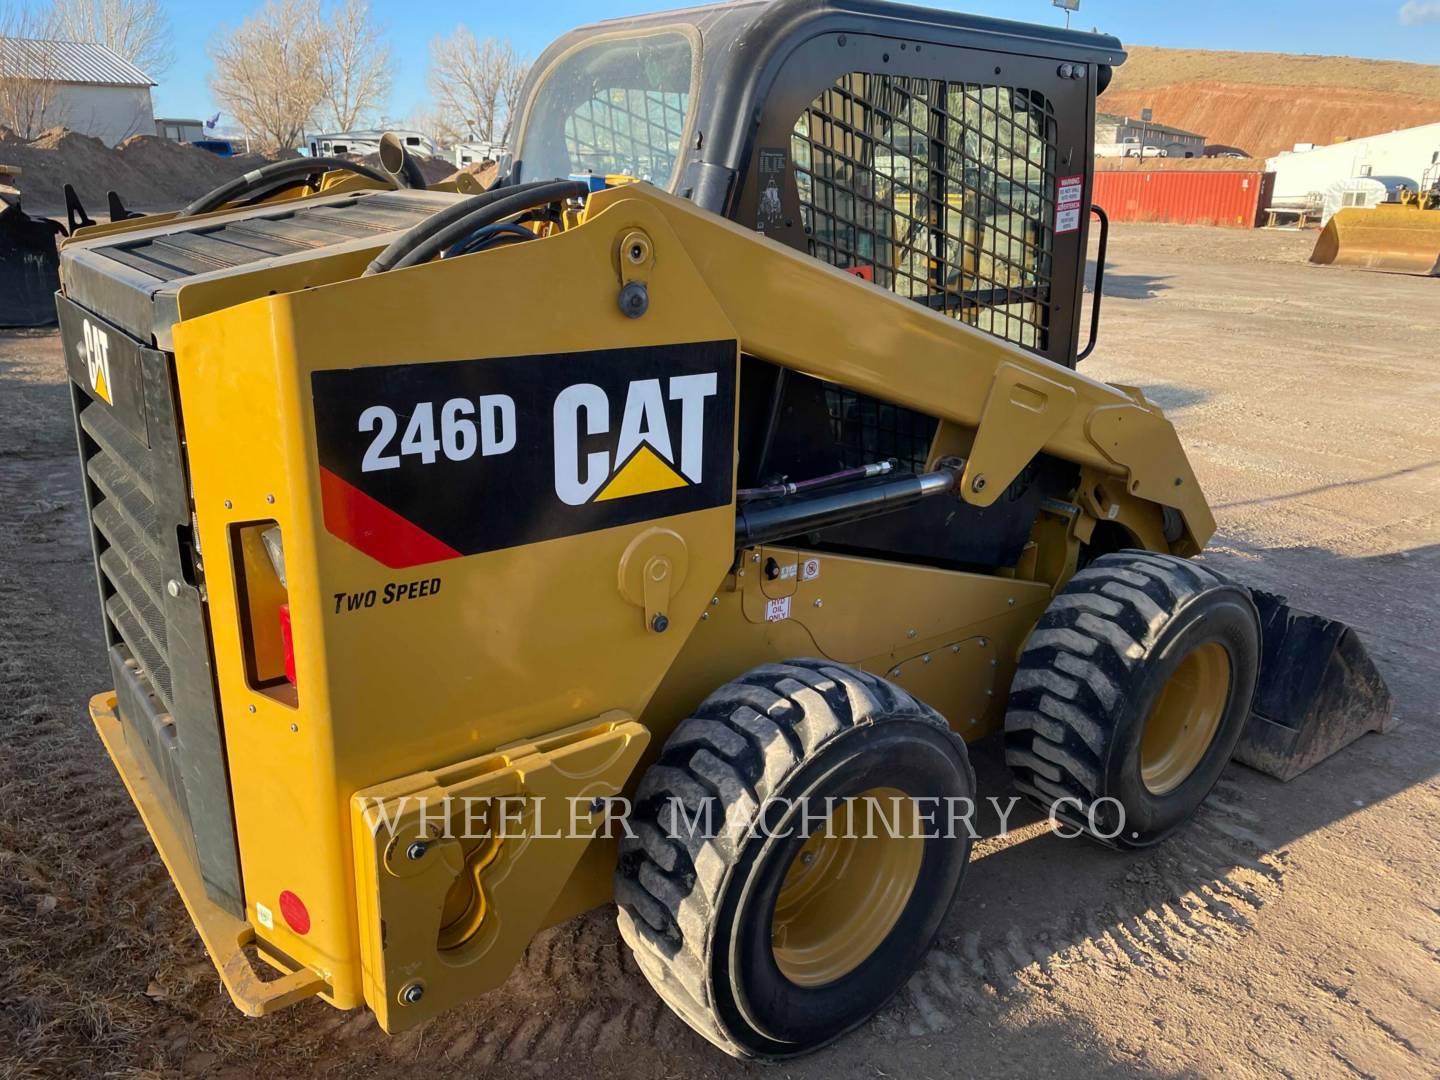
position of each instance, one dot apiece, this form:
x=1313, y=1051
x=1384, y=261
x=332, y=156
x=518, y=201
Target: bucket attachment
x=29, y=268
x=1391, y=237
x=1319, y=691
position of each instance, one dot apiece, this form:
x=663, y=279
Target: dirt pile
x=148, y=172
x=1264, y=103
x=484, y=171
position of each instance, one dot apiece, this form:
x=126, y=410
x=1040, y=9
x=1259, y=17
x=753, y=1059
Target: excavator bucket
x=1319, y=691
x=1393, y=238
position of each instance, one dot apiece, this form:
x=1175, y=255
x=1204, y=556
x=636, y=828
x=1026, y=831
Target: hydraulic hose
x=487, y=234
x=511, y=203
x=278, y=170
x=397, y=248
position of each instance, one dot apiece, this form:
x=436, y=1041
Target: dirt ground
x=1292, y=930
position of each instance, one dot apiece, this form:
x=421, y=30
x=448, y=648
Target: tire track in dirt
x=1200, y=887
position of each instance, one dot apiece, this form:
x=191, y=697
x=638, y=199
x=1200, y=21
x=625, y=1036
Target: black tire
x=1089, y=680
x=697, y=911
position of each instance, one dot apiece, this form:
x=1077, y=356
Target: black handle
x=1099, y=281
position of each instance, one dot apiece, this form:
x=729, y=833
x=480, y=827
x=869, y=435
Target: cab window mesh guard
x=634, y=132
x=942, y=192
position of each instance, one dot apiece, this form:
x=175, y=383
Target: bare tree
x=475, y=82
x=137, y=30
x=511, y=84
x=354, y=67
x=437, y=125
x=29, y=71
x=265, y=71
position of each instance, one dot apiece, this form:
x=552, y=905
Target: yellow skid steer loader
x=657, y=526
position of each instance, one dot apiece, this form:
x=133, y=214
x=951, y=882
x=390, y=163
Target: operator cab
x=946, y=157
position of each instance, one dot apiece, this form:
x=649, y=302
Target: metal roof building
x=89, y=88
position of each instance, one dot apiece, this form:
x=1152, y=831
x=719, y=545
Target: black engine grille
x=151, y=581
x=131, y=548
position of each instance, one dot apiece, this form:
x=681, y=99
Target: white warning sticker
x=777, y=610
x=1069, y=194
x=264, y=916
x=810, y=570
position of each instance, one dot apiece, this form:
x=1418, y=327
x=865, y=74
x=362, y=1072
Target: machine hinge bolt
x=955, y=648
x=894, y=673
x=229, y=505
x=995, y=663
x=819, y=602
x=270, y=499
x=173, y=587
x=704, y=616
x=910, y=633
x=978, y=484
x=755, y=557
x=984, y=643
x=808, y=858
x=251, y=708
x=660, y=624
x=714, y=600
x=294, y=728
x=412, y=993
x=416, y=851
x=1011, y=601
x=634, y=300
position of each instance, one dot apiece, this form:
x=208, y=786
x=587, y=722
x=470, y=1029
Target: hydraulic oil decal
x=433, y=461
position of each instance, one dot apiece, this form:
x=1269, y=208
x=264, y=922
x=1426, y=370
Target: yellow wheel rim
x=1184, y=719
x=847, y=887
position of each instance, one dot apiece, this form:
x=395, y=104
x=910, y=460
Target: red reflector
x=288, y=638
x=296, y=916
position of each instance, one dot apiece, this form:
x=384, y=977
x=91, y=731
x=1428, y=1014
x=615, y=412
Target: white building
x=175, y=129
x=88, y=88
x=1409, y=155
x=1126, y=136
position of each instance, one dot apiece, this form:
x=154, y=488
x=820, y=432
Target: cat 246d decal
x=424, y=462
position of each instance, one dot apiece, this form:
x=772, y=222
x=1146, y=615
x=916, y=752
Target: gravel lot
x=1293, y=930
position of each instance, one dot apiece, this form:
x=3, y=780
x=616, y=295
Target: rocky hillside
x=1263, y=103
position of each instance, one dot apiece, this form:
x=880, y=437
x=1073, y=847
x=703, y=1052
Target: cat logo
x=421, y=462
x=96, y=353
x=646, y=457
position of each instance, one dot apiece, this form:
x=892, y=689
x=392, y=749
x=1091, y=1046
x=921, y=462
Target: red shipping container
x=1180, y=197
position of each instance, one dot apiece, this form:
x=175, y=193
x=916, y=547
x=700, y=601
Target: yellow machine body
x=479, y=677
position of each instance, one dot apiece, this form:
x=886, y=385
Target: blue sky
x=1371, y=28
